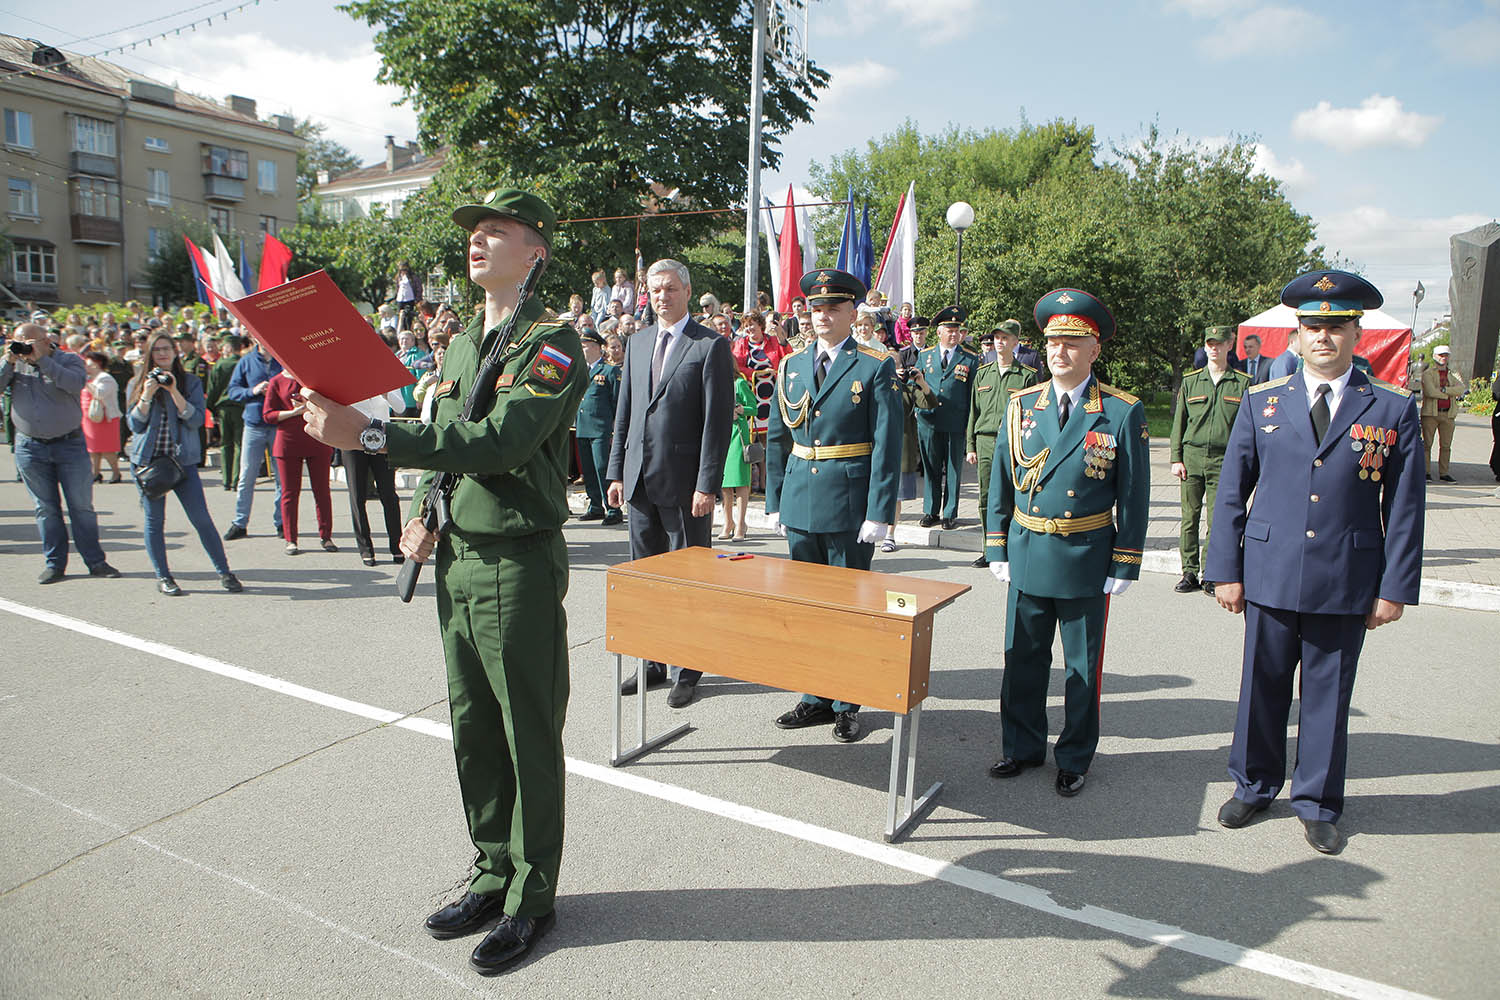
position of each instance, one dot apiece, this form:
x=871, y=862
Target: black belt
x=61, y=437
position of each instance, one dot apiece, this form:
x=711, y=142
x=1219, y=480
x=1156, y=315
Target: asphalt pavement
x=253, y=795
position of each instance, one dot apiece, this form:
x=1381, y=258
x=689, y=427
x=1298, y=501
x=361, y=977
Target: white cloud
x=1378, y=121
x=932, y=20
x=1290, y=172
x=1476, y=43
x=1202, y=8
x=1258, y=31
x=853, y=82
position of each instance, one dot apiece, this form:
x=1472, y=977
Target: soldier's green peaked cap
x=509, y=203
x=1218, y=334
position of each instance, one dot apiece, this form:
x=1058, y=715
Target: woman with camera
x=165, y=410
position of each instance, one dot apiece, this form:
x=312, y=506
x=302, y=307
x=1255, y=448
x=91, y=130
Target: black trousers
x=356, y=465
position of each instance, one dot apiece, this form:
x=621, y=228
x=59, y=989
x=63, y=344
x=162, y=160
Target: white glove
x=773, y=521
x=871, y=531
x=1001, y=570
x=1114, y=587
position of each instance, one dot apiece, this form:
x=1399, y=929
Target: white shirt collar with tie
x=1336, y=388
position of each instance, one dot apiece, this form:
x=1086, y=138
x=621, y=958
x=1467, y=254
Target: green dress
x=736, y=469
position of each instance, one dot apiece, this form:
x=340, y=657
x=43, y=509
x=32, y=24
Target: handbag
x=159, y=476
x=755, y=452
x=96, y=410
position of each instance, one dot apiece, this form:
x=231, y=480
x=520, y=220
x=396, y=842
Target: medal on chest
x=1373, y=445
x=1028, y=424
x=854, y=391
x=1098, y=453
x=1270, y=407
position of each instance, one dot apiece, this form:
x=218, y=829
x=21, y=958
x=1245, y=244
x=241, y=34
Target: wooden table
x=854, y=635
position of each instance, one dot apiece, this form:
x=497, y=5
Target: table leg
x=642, y=744
x=913, y=809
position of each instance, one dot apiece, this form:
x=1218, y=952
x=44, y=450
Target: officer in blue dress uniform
x=1332, y=550
x=1069, y=492
x=949, y=368
x=833, y=455
x=595, y=425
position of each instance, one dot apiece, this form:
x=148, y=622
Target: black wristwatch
x=372, y=438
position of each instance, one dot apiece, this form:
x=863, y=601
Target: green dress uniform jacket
x=595, y=427
x=992, y=391
x=940, y=430
x=502, y=573
x=1201, y=422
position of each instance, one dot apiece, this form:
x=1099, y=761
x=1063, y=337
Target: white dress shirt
x=676, y=329
x=1335, y=389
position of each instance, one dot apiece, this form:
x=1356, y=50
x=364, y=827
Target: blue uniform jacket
x=952, y=388
x=858, y=404
x=596, y=411
x=250, y=372
x=1334, y=525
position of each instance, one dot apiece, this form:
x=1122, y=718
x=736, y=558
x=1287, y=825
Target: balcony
x=97, y=229
x=223, y=188
x=93, y=165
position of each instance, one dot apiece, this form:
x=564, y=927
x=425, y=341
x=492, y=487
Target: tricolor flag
x=773, y=245
x=201, y=274
x=226, y=283
x=898, y=268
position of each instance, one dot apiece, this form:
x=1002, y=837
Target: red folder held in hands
x=321, y=339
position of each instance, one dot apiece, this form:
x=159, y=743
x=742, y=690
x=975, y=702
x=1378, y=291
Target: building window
x=268, y=224
x=154, y=240
x=158, y=186
x=156, y=144
x=265, y=176
x=222, y=219
x=18, y=129
x=22, y=197
x=93, y=271
x=96, y=196
x=223, y=162
x=33, y=264
x=93, y=135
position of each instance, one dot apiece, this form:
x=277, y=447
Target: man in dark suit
x=1332, y=550
x=1254, y=364
x=671, y=437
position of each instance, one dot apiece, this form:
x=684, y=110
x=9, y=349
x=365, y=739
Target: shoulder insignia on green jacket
x=1029, y=389
x=872, y=353
x=1026, y=368
x=1383, y=384
x=1262, y=387
x=1193, y=372
x=1119, y=394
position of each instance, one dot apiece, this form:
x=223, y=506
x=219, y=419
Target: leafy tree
x=318, y=154
x=360, y=255
x=170, y=270
x=597, y=106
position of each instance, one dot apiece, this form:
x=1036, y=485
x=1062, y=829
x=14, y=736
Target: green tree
x=319, y=153
x=360, y=255
x=595, y=105
x=170, y=270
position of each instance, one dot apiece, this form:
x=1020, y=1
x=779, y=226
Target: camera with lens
x=19, y=349
x=161, y=375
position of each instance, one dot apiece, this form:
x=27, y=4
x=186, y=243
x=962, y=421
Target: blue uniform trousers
x=943, y=466
x=830, y=548
x=1328, y=647
x=1030, y=623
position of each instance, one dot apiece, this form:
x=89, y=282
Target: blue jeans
x=253, y=445
x=46, y=466
x=190, y=495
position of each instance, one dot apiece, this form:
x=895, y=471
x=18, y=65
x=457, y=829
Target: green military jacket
x=1068, y=506
x=992, y=391
x=515, y=458
x=1205, y=412
x=952, y=387
x=216, y=387
x=596, y=412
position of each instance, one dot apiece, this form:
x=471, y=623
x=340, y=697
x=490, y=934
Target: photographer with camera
x=45, y=386
x=165, y=412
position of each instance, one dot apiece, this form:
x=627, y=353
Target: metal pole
x=958, y=271
x=752, y=198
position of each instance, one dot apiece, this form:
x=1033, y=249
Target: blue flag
x=847, y=242
x=864, y=257
x=247, y=279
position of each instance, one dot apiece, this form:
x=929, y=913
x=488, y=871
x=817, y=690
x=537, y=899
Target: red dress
x=102, y=438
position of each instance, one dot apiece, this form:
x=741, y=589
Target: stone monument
x=1474, y=294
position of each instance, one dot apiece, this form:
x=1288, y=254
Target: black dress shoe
x=1322, y=835
x=466, y=916
x=949, y=523
x=928, y=520
x=980, y=563
x=846, y=727
x=231, y=583
x=234, y=532
x=1009, y=767
x=1208, y=587
x=509, y=942
x=168, y=586
x=1237, y=812
x=50, y=575
x=592, y=514
x=613, y=517
x=682, y=693
x=1187, y=584
x=1069, y=783
x=656, y=676
x=104, y=570
x=803, y=715
x=1448, y=479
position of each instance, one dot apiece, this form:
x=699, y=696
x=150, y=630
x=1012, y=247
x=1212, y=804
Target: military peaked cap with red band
x=1067, y=312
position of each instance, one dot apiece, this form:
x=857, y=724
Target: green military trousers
x=984, y=445
x=1200, y=487
x=1030, y=623
x=231, y=428
x=505, y=638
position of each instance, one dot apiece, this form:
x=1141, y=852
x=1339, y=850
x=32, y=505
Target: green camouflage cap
x=1219, y=334
x=510, y=203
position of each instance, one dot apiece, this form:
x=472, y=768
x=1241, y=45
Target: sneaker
x=328, y=545
x=51, y=574
x=235, y=531
x=104, y=570
x=291, y=548
x=231, y=583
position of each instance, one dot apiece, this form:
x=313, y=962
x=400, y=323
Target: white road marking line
x=282, y=901
x=1110, y=921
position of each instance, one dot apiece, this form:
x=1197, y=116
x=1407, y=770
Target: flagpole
x=752, y=201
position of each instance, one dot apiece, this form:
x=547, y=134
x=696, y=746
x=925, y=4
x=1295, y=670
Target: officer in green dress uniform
x=1207, y=402
x=833, y=455
x=994, y=384
x=595, y=428
x=1069, y=495
x=502, y=572
x=949, y=368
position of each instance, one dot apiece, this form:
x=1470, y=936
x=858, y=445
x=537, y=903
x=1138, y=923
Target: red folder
x=321, y=339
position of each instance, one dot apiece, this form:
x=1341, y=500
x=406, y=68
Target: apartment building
x=354, y=194
x=102, y=165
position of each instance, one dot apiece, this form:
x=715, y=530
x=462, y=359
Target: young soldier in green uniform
x=1207, y=402
x=833, y=456
x=502, y=572
x=994, y=384
x=228, y=414
x=1067, y=520
x=949, y=368
x=595, y=426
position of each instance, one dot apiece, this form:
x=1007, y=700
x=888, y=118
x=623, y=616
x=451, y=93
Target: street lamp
x=960, y=217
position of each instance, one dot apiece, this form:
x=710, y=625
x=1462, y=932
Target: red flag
x=275, y=258
x=790, y=258
x=201, y=273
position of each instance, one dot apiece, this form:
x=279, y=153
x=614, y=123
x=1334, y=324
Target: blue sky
x=1382, y=119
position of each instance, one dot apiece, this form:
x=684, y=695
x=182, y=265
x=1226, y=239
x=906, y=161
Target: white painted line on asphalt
x=282, y=901
x=1110, y=921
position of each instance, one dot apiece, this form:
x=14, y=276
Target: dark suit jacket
x=674, y=440
x=1262, y=369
